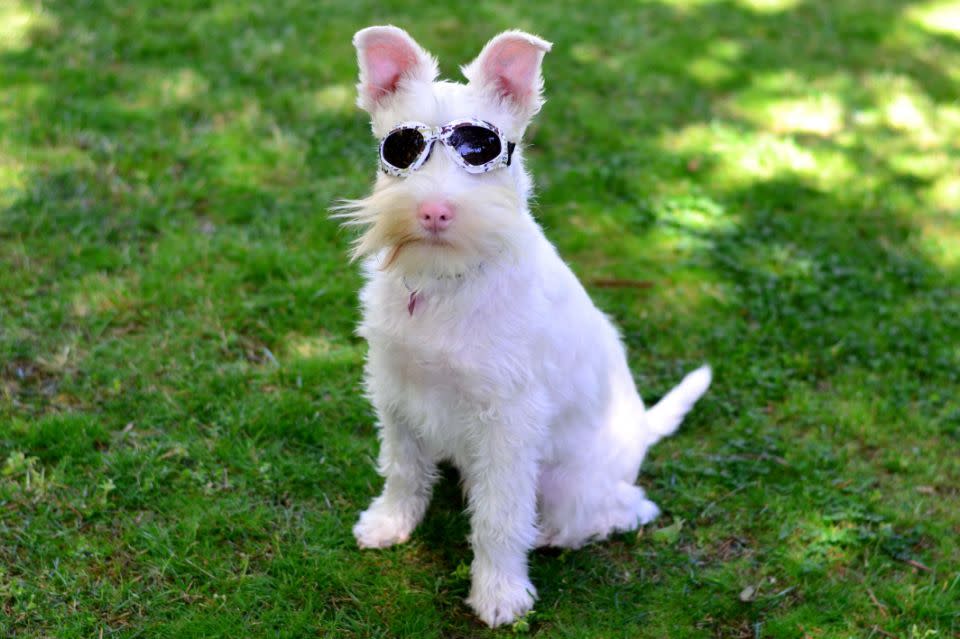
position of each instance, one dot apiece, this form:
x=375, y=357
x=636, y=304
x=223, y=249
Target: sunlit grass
x=769, y=6
x=320, y=347
x=169, y=88
x=944, y=193
x=100, y=293
x=822, y=115
x=737, y=158
x=336, y=98
x=938, y=16
x=940, y=232
x=11, y=176
x=711, y=70
x=21, y=20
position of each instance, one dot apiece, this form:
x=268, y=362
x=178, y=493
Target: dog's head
x=451, y=188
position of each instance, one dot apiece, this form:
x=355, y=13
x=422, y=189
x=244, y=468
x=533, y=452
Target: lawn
x=772, y=186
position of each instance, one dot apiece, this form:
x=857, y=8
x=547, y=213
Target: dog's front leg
x=409, y=474
x=501, y=485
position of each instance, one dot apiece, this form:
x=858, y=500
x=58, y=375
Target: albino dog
x=485, y=350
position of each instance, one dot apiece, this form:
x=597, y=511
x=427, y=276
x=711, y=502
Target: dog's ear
x=509, y=68
x=390, y=60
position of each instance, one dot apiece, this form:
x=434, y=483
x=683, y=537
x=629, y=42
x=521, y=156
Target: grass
x=183, y=447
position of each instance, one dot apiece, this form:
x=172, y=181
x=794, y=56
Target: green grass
x=183, y=446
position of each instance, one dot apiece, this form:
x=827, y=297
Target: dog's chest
x=439, y=392
x=446, y=366
x=432, y=347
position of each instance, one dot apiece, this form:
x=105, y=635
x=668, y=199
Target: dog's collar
x=416, y=290
x=445, y=277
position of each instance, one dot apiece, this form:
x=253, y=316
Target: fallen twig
x=618, y=283
x=876, y=602
x=919, y=566
x=729, y=494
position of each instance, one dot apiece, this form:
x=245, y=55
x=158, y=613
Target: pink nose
x=435, y=216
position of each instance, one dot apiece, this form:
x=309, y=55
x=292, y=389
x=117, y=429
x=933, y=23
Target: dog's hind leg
x=577, y=510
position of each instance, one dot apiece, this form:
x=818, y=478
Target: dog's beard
x=488, y=221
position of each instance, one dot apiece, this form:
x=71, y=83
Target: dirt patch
x=26, y=379
x=729, y=548
x=35, y=386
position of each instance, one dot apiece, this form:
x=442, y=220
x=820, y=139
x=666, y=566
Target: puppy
x=484, y=349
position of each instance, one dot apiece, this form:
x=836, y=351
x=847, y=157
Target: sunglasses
x=477, y=146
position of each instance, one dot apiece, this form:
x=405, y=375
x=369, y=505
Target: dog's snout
x=435, y=216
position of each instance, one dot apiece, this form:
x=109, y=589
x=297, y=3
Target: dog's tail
x=664, y=418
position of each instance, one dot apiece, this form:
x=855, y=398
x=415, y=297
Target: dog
x=484, y=348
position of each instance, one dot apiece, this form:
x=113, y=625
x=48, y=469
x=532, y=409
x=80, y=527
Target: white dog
x=485, y=350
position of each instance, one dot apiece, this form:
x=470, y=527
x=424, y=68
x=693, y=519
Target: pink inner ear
x=386, y=62
x=513, y=66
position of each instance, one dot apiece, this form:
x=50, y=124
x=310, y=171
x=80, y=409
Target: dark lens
x=475, y=144
x=403, y=147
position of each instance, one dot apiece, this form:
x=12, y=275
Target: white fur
x=504, y=366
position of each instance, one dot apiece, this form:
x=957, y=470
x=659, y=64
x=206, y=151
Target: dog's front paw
x=379, y=527
x=502, y=599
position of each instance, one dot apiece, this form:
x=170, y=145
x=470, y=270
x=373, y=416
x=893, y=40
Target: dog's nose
x=435, y=216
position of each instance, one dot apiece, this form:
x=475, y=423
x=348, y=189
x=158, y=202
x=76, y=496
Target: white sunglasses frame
x=442, y=134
